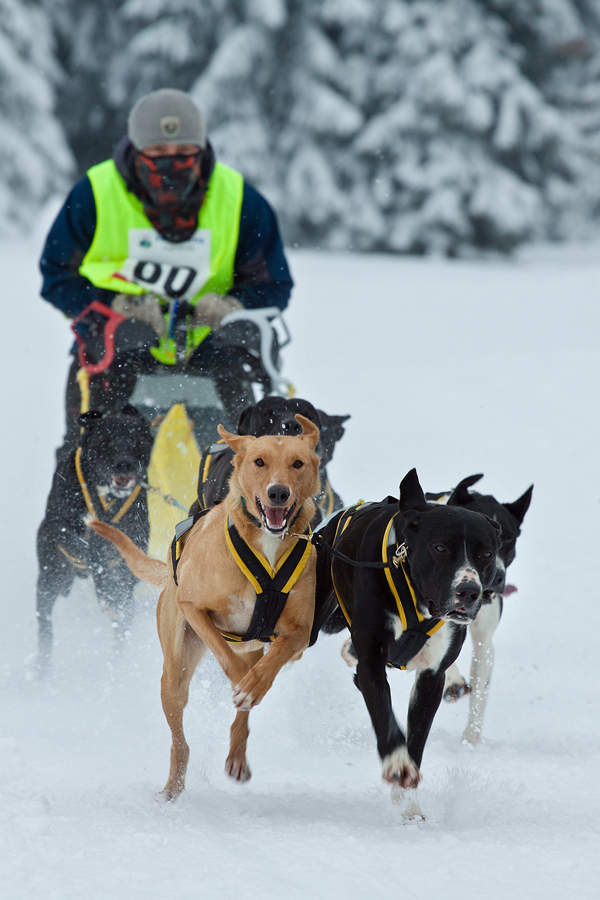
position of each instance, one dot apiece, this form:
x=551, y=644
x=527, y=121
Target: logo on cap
x=170, y=126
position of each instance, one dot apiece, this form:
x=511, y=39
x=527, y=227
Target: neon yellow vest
x=118, y=211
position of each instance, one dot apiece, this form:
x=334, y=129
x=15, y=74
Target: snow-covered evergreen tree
x=34, y=157
x=438, y=142
x=115, y=51
x=407, y=125
x=397, y=125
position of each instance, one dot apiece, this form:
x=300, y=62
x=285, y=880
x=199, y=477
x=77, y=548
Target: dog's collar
x=126, y=505
x=398, y=579
x=248, y=514
x=272, y=585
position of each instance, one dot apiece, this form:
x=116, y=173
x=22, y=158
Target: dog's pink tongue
x=275, y=516
x=509, y=589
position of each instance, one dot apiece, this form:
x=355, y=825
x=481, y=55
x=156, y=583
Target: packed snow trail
x=456, y=368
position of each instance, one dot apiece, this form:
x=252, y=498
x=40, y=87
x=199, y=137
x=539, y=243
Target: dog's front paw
x=399, y=768
x=250, y=691
x=167, y=796
x=238, y=769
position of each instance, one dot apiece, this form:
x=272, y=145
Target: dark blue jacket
x=261, y=274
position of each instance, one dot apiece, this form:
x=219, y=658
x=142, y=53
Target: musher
x=164, y=234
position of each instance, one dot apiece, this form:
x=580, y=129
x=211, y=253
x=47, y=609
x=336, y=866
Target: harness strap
x=74, y=560
x=326, y=498
x=205, y=464
x=127, y=504
x=272, y=586
x=416, y=628
x=180, y=529
x=80, y=564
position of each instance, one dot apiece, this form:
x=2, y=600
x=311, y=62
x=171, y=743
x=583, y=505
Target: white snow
x=453, y=367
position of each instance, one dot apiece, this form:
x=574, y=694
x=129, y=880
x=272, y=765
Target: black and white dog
x=271, y=416
x=435, y=565
x=509, y=517
x=103, y=477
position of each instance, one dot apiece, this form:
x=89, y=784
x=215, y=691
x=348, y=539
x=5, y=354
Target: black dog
x=435, y=565
x=103, y=477
x=510, y=517
x=271, y=415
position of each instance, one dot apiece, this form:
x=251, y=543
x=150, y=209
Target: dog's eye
x=259, y=462
x=298, y=464
x=439, y=548
x=487, y=554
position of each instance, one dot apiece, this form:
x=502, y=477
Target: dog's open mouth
x=122, y=485
x=275, y=518
x=458, y=614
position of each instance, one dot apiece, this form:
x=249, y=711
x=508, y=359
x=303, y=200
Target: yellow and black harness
x=272, y=586
x=106, y=506
x=208, y=455
x=416, y=628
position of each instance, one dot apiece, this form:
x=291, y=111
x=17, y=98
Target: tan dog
x=271, y=488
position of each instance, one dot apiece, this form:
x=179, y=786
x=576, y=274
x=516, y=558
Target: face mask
x=169, y=180
x=173, y=191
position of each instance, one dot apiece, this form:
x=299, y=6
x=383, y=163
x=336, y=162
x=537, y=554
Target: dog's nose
x=124, y=464
x=467, y=593
x=291, y=427
x=278, y=495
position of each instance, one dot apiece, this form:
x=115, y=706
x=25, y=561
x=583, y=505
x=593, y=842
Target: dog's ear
x=460, y=495
x=495, y=525
x=239, y=443
x=333, y=425
x=310, y=432
x=520, y=506
x=411, y=493
x=244, y=422
x=129, y=410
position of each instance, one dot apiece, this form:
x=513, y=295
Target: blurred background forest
x=432, y=126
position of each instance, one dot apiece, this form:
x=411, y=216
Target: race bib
x=173, y=271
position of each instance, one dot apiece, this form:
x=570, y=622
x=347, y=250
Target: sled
x=186, y=406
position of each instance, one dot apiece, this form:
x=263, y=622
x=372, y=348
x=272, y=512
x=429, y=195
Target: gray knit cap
x=166, y=117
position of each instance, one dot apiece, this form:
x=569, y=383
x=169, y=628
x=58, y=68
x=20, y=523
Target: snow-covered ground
x=452, y=367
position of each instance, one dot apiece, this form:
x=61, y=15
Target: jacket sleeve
x=67, y=243
x=261, y=273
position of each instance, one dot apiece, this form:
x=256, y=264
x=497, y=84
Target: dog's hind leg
x=482, y=632
x=456, y=685
x=120, y=613
x=236, y=765
x=182, y=655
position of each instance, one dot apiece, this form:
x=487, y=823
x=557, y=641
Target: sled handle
x=113, y=320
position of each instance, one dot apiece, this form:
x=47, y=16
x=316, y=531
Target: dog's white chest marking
x=270, y=544
x=395, y=625
x=433, y=652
